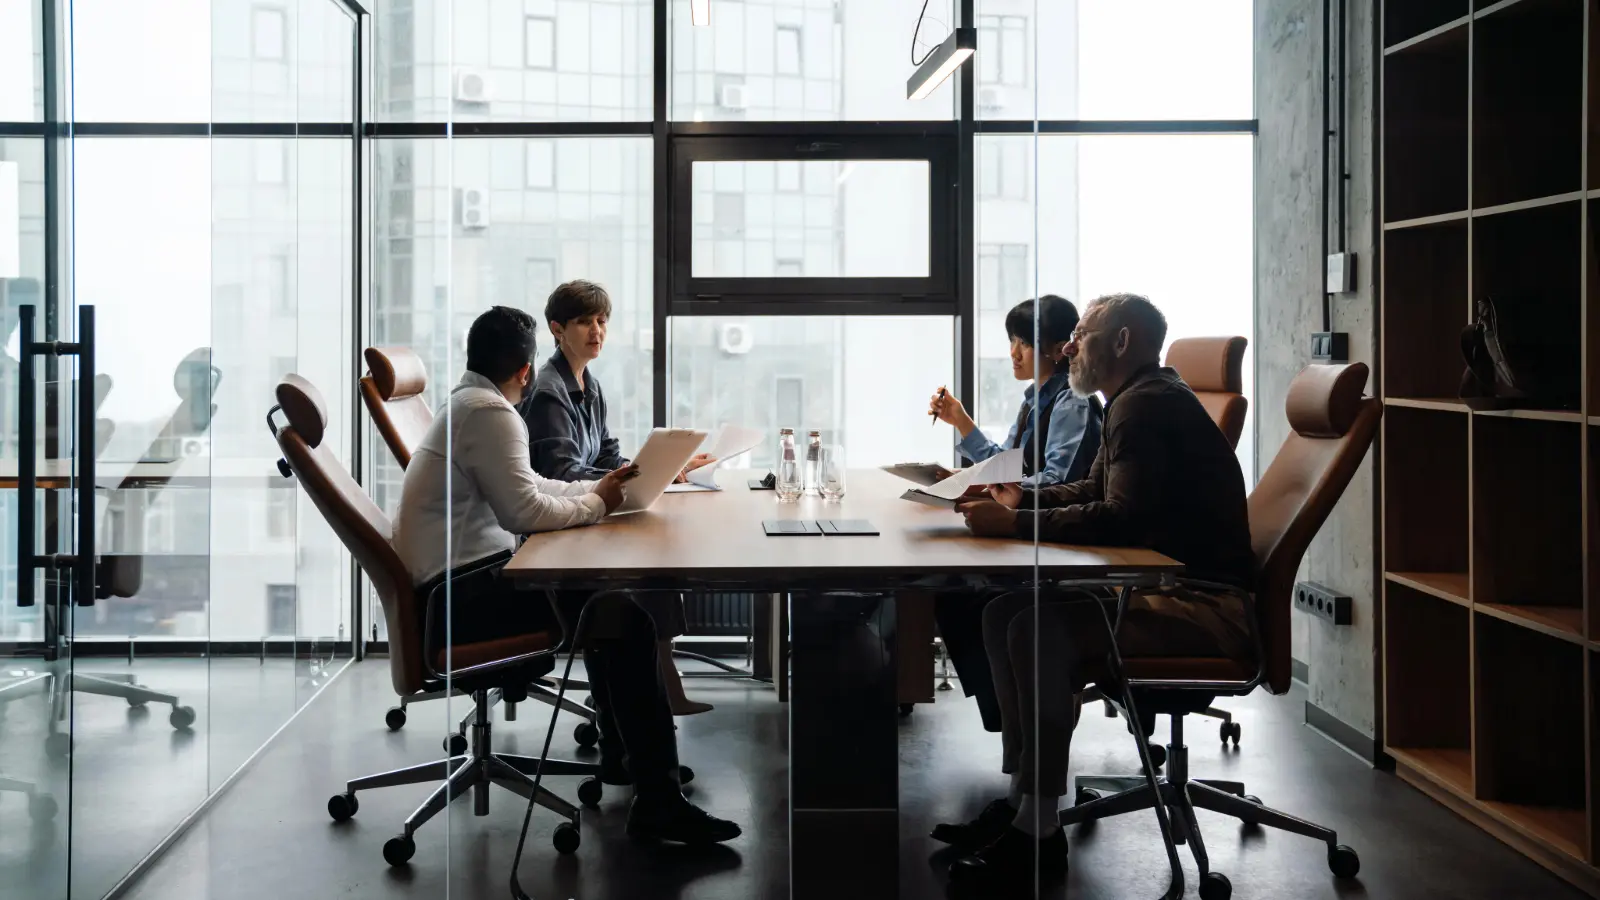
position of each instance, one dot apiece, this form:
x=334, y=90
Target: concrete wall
x=1289, y=308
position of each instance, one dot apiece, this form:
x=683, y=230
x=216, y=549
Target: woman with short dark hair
x=1067, y=425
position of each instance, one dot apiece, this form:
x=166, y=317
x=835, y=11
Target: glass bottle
x=813, y=466
x=788, y=479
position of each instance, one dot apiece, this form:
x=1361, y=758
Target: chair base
x=1099, y=797
x=477, y=770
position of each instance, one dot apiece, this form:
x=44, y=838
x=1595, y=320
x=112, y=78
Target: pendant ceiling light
x=945, y=59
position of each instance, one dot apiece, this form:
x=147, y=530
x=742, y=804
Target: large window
x=803, y=61
x=1165, y=216
x=512, y=60
x=466, y=224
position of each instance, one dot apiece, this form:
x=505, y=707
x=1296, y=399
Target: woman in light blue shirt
x=1069, y=423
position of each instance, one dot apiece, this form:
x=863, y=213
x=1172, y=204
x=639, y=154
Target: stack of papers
x=725, y=443
x=1002, y=468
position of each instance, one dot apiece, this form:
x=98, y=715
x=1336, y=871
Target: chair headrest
x=303, y=407
x=1209, y=364
x=1324, y=400
x=397, y=372
x=195, y=378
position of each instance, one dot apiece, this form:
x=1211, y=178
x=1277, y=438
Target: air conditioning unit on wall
x=735, y=338
x=472, y=207
x=472, y=86
x=734, y=96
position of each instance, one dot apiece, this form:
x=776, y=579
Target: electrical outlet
x=1322, y=602
x=1330, y=347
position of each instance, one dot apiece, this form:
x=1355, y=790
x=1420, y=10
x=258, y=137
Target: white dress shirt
x=478, y=446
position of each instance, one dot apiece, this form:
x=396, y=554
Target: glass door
x=37, y=444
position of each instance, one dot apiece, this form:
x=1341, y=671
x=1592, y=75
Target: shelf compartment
x=1426, y=483
x=1425, y=139
x=1527, y=117
x=1528, y=519
x=1529, y=733
x=1425, y=306
x=1452, y=586
x=1427, y=683
x=1408, y=19
x=1438, y=404
x=1560, y=622
x=1530, y=263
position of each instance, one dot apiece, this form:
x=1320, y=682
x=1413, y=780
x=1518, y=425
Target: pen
x=935, y=415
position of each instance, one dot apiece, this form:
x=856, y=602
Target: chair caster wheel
x=181, y=717
x=1253, y=799
x=566, y=839
x=685, y=775
x=588, y=700
x=342, y=806
x=590, y=790
x=1085, y=796
x=1158, y=755
x=397, y=851
x=1230, y=730
x=1343, y=862
x=1109, y=710
x=395, y=718
x=455, y=744
x=586, y=734
x=42, y=807
x=906, y=708
x=1215, y=886
x=137, y=703
x=58, y=744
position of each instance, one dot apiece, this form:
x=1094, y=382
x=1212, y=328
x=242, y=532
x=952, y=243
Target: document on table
x=917, y=473
x=1002, y=468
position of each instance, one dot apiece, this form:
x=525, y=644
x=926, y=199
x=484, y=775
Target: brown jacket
x=1165, y=478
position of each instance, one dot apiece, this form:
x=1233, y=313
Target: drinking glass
x=832, y=472
x=788, y=483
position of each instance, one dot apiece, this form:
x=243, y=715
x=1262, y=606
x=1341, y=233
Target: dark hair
x=1146, y=325
x=576, y=299
x=500, y=342
x=1058, y=318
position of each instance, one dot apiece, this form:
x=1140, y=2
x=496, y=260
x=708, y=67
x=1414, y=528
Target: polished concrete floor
x=269, y=836
x=131, y=777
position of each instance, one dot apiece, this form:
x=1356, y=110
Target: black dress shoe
x=672, y=818
x=1013, y=858
x=990, y=824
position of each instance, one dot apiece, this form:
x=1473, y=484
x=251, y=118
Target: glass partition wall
x=787, y=241
x=182, y=176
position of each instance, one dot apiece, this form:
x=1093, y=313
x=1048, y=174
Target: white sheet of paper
x=916, y=496
x=725, y=443
x=689, y=487
x=1002, y=468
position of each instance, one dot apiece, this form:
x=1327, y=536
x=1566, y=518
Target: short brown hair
x=576, y=299
x=1146, y=325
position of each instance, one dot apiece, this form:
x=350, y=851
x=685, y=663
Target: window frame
x=528, y=22
x=933, y=294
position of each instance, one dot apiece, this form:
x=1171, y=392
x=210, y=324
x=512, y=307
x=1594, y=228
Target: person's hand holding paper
x=1002, y=468
x=725, y=443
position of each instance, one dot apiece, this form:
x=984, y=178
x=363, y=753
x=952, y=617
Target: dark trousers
x=1043, y=650
x=624, y=673
x=960, y=619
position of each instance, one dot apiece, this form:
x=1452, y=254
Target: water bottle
x=788, y=478
x=813, y=467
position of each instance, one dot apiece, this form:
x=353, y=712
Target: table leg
x=843, y=748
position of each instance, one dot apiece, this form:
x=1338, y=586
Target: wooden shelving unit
x=1490, y=131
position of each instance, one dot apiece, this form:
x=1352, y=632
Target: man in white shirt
x=468, y=494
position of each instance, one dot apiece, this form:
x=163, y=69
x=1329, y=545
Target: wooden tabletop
x=189, y=472
x=716, y=537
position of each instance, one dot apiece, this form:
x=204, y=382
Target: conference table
x=842, y=590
